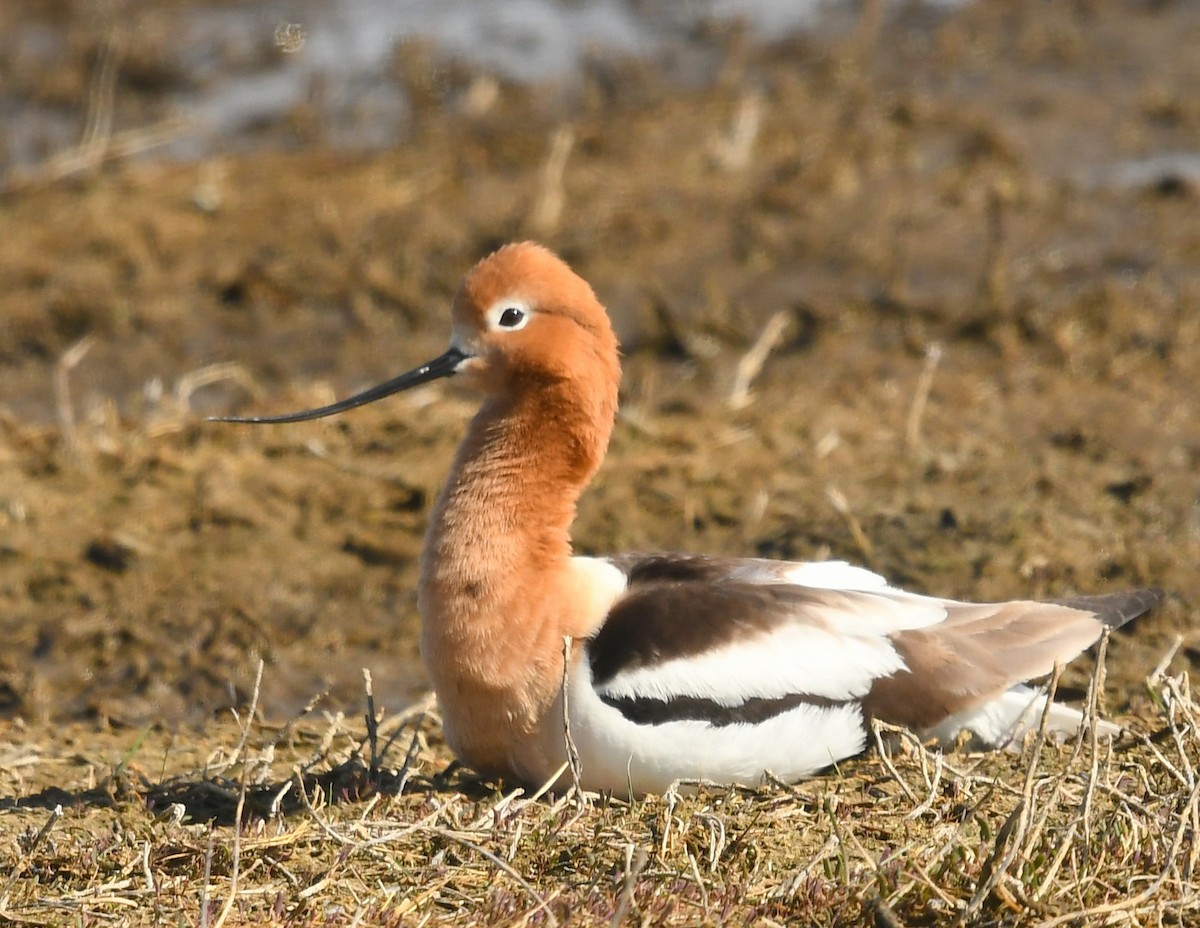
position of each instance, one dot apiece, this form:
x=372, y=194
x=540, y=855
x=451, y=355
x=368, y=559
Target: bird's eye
x=512, y=317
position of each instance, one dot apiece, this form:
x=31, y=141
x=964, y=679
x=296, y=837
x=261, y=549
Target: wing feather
x=731, y=640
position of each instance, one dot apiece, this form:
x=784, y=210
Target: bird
x=635, y=673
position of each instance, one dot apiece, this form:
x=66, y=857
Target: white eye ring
x=508, y=315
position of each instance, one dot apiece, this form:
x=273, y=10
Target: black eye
x=511, y=317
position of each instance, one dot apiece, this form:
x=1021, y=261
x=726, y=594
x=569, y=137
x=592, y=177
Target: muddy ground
x=987, y=385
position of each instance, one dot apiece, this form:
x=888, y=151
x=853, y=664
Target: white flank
x=619, y=755
x=1005, y=721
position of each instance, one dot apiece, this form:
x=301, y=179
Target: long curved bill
x=445, y=365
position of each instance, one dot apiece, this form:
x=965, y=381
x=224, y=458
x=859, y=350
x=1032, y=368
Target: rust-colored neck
x=495, y=569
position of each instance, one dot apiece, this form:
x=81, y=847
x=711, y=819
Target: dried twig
x=838, y=500
x=733, y=149
x=205, y=376
x=635, y=861
x=241, y=801
x=572, y=751
x=885, y=757
x=751, y=363
x=241, y=746
x=548, y=208
x=916, y=413
x=62, y=393
x=1095, y=694
x=75, y=161
x=235, y=870
x=1160, y=668
x=204, y=886
x=372, y=726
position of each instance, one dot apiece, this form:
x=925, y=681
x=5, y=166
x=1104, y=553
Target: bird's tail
x=1004, y=722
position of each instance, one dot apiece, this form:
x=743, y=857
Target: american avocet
x=683, y=666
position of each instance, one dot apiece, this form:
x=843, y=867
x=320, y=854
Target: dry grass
x=144, y=567
x=350, y=824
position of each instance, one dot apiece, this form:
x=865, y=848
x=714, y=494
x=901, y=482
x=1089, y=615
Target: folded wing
x=740, y=641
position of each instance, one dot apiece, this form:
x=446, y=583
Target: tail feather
x=1115, y=609
x=965, y=674
x=1004, y=722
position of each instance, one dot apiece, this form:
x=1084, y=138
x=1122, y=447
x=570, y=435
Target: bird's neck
x=507, y=507
x=496, y=566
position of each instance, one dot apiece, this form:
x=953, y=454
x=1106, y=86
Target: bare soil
x=986, y=388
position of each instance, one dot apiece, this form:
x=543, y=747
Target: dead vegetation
x=337, y=823
x=883, y=298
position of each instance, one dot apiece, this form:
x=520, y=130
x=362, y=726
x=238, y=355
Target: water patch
x=233, y=70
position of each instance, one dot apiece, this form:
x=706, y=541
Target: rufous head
x=521, y=318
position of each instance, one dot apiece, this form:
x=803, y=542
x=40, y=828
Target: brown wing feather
x=980, y=651
x=660, y=619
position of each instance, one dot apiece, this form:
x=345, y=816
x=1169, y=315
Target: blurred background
x=910, y=283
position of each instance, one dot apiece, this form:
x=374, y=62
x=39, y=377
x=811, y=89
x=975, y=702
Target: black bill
x=443, y=366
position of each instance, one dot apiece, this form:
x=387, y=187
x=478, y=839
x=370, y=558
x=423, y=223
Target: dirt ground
x=986, y=385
